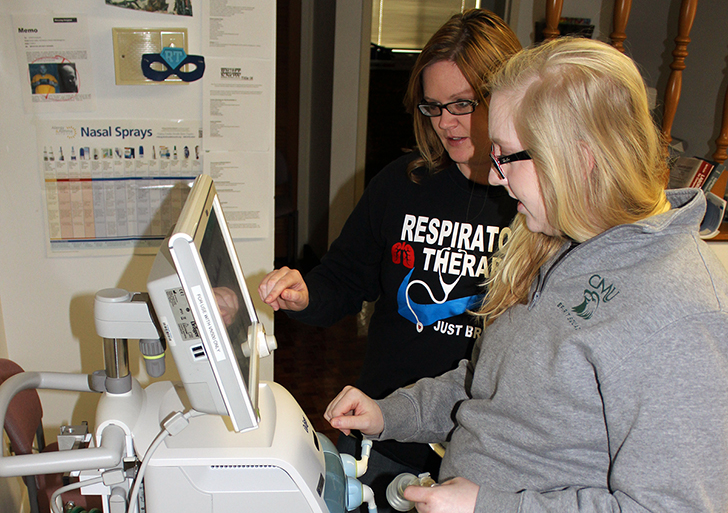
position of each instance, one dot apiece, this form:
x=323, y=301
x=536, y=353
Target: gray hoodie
x=608, y=391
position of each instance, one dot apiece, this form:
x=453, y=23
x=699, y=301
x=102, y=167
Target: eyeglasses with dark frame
x=499, y=160
x=456, y=108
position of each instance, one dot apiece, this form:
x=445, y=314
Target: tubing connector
x=357, y=494
x=357, y=468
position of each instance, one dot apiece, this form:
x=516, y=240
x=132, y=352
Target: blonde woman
x=601, y=380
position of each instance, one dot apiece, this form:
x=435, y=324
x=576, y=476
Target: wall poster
x=53, y=53
x=112, y=184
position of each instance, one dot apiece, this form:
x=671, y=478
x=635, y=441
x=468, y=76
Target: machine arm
x=108, y=454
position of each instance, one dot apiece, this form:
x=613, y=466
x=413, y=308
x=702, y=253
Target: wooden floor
x=314, y=364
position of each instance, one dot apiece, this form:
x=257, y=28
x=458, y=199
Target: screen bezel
x=239, y=393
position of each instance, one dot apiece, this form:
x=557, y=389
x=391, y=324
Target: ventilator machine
x=220, y=440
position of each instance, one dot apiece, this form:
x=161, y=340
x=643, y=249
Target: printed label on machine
x=167, y=332
x=182, y=315
x=206, y=316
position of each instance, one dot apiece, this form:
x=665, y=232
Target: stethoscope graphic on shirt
x=427, y=314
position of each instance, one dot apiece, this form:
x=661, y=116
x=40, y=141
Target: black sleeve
x=350, y=272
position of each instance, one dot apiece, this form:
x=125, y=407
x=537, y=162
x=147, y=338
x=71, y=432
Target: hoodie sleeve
x=425, y=411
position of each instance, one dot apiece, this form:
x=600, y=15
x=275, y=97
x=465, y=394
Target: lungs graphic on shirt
x=402, y=253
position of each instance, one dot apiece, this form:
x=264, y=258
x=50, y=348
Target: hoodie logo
x=598, y=292
x=587, y=307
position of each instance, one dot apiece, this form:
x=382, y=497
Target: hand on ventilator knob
x=353, y=409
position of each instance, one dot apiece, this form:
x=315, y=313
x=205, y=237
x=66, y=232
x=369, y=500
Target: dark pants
x=380, y=472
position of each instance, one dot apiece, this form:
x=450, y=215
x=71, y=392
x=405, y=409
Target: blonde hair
x=478, y=42
x=580, y=109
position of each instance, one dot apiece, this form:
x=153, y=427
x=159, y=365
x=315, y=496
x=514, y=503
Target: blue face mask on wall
x=173, y=59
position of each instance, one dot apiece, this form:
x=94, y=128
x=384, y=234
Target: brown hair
x=478, y=42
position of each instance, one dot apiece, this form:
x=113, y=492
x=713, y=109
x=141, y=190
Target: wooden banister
x=553, y=15
x=674, y=83
x=619, y=23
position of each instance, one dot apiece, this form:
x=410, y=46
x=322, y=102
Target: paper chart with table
x=115, y=184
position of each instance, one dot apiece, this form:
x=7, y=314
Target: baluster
x=621, y=15
x=553, y=15
x=674, y=83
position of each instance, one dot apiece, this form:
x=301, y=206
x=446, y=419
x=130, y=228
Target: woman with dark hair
x=600, y=383
x=420, y=241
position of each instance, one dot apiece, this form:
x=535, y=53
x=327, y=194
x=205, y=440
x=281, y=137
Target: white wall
x=349, y=112
x=47, y=301
x=318, y=27
x=721, y=250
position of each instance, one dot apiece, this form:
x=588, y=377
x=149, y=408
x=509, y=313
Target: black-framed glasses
x=456, y=108
x=499, y=160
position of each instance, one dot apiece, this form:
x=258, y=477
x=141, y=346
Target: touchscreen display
x=229, y=297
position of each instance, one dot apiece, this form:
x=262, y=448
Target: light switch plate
x=131, y=43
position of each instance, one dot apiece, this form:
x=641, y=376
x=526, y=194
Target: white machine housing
x=278, y=467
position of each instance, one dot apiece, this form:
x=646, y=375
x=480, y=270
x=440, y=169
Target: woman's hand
x=284, y=289
x=353, y=409
x=457, y=495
